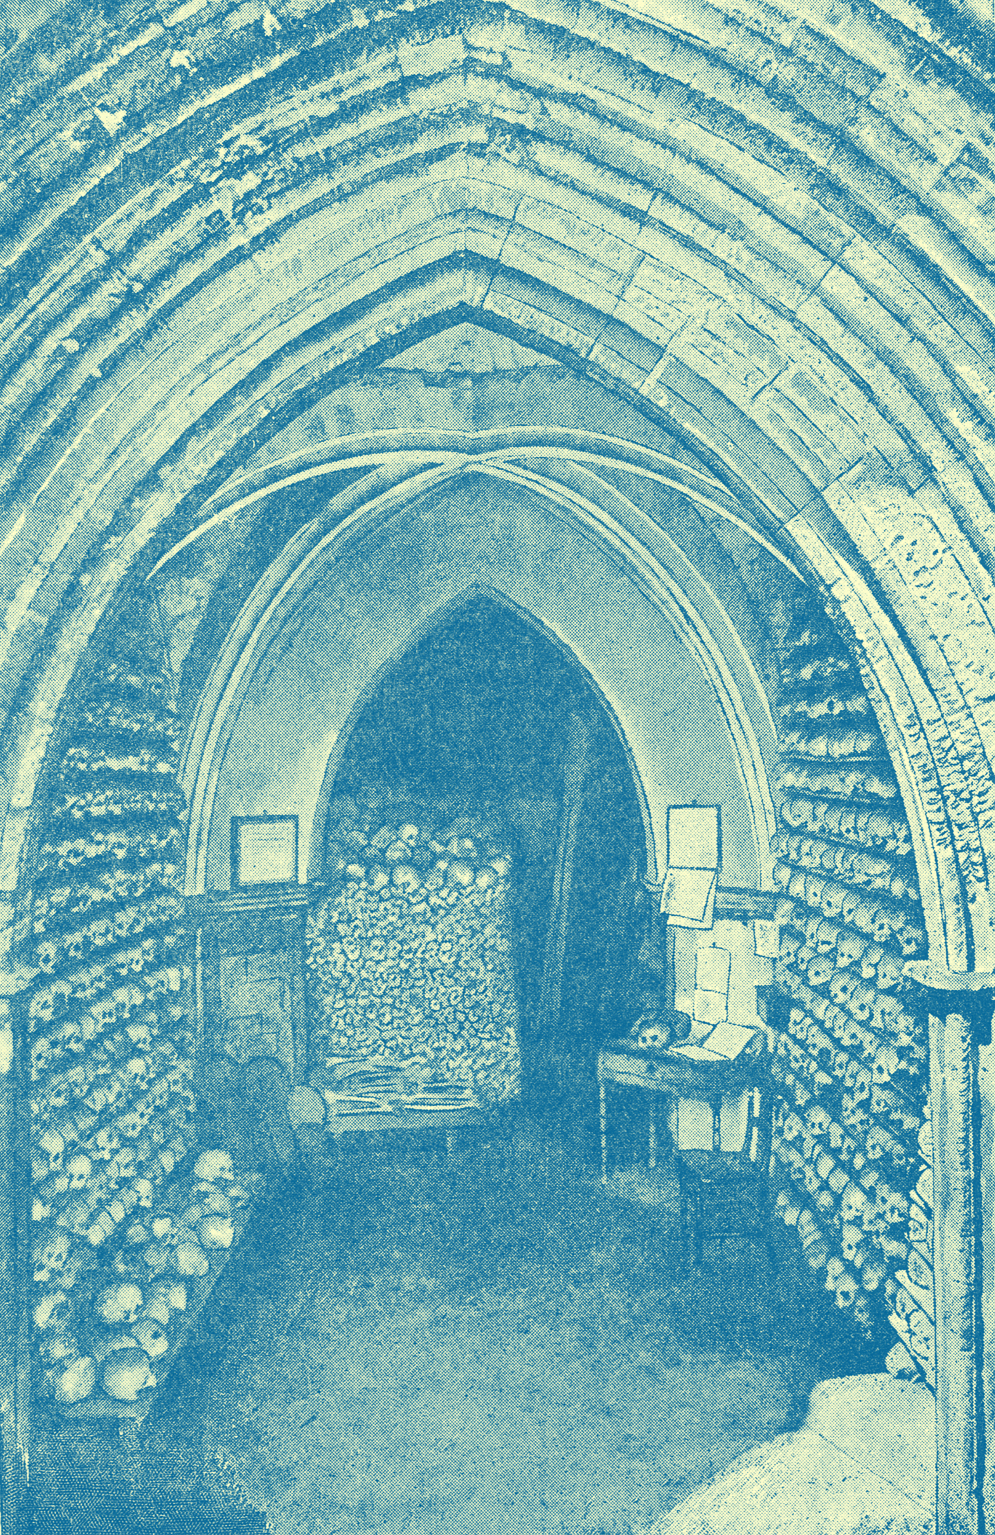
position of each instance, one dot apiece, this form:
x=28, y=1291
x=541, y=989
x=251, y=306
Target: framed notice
x=693, y=851
x=264, y=850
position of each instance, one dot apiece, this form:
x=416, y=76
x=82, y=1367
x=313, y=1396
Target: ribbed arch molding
x=771, y=232
x=673, y=578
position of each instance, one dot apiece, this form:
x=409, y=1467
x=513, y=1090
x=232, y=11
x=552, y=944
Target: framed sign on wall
x=263, y=850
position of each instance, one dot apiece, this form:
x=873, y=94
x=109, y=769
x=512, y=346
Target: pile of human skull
x=911, y=1290
x=106, y=1015
x=847, y=1043
x=409, y=957
x=109, y=1302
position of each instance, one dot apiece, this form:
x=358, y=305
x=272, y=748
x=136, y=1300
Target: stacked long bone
x=410, y=963
x=850, y=1054
x=108, y=1042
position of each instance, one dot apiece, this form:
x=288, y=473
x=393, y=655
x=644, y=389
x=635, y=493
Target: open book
x=724, y=1043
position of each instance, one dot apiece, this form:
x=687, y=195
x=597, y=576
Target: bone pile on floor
x=410, y=966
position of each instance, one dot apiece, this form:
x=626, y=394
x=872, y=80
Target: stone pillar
x=962, y=1095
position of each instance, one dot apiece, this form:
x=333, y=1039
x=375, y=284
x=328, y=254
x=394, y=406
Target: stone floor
x=864, y=1461
x=492, y=1345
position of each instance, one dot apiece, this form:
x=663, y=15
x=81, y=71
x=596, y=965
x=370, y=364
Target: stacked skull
x=847, y=1048
x=106, y=1019
x=409, y=956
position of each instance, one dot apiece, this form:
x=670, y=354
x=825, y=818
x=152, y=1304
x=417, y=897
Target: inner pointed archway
x=486, y=713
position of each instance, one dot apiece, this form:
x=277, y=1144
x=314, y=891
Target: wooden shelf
x=431, y=1119
x=198, y=1291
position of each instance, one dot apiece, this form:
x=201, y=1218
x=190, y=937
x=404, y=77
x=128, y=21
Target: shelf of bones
x=409, y=955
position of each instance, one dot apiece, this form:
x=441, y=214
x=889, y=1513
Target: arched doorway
x=486, y=713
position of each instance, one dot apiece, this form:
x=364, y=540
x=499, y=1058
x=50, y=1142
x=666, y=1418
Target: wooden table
x=668, y=1074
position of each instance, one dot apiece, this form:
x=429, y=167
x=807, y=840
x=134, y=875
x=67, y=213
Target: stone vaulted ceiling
x=772, y=233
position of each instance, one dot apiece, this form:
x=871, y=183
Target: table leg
x=604, y=1136
x=449, y=1144
x=652, y=1132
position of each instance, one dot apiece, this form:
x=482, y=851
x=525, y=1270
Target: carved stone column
x=962, y=1096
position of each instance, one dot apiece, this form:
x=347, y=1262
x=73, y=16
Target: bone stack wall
x=106, y=1020
x=848, y=1040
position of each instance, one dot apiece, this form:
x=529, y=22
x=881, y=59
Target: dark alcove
x=487, y=713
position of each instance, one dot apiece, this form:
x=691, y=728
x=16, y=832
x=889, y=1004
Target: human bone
x=172, y=1292
x=853, y=1202
x=152, y=1336
x=922, y=1337
x=852, y=1242
x=76, y=1382
x=50, y=1256
x=127, y=1374
x=190, y=1259
x=212, y=1166
x=120, y=1303
x=847, y=1287
x=52, y=1311
x=54, y=1147
x=216, y=1231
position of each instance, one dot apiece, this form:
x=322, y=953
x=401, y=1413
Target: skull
x=847, y=1288
x=122, y=1165
x=820, y=969
x=889, y=972
x=54, y=1147
x=921, y=1337
x=886, y=1063
x=171, y=1293
x=814, y=886
x=75, y=1382
x=872, y=1273
x=882, y=925
x=190, y=1260
x=216, y=1231
x=50, y=1257
x=133, y=1123
x=144, y=1189
x=853, y=1203
x=152, y=1336
x=79, y=1169
x=848, y=908
x=136, y=1074
x=862, y=1311
x=892, y=1205
x=834, y=1269
x=826, y=938
x=817, y=1120
x=43, y=1005
x=861, y=1002
x=41, y=1055
x=653, y=1037
x=52, y=1312
x=842, y=986
x=105, y=1143
x=214, y=1166
x=140, y=1035
x=120, y=1304
x=127, y=1374
x=854, y=1250
x=832, y=899
x=849, y=949
x=103, y=1014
